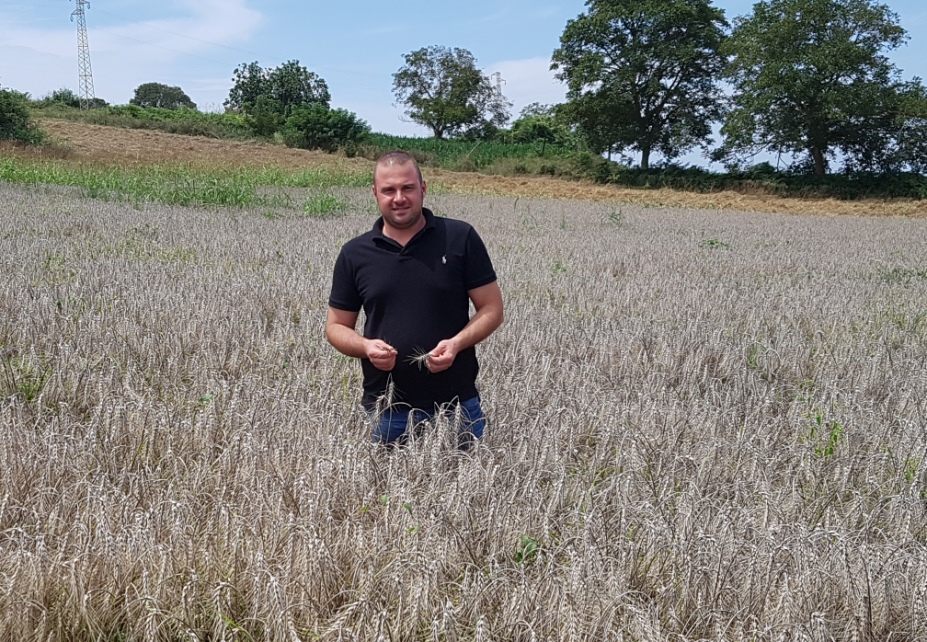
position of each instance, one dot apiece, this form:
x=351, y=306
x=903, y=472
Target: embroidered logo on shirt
x=444, y=260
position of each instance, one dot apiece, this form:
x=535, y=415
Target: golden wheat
x=704, y=425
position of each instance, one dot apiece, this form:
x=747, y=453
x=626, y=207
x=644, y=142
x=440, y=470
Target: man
x=414, y=275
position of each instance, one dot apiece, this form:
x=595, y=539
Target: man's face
x=400, y=193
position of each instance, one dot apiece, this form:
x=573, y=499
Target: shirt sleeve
x=479, y=266
x=344, y=294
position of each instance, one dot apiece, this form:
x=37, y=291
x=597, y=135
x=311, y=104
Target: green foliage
x=318, y=127
x=543, y=124
x=762, y=178
x=527, y=550
x=155, y=94
x=825, y=435
x=323, y=205
x=176, y=121
x=25, y=377
x=480, y=155
x=265, y=117
x=15, y=119
x=810, y=77
x=64, y=97
x=177, y=185
x=269, y=96
x=443, y=90
x=642, y=74
x=714, y=244
x=902, y=276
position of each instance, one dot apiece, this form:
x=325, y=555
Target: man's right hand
x=381, y=354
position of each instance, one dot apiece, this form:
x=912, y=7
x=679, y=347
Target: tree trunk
x=820, y=165
x=645, y=157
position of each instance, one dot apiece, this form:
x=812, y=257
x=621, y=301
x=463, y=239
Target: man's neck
x=403, y=236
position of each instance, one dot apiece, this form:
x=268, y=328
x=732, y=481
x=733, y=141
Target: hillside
x=85, y=143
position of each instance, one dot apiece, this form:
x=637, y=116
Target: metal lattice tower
x=497, y=76
x=85, y=88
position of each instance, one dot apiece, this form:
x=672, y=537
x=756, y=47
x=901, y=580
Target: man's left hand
x=442, y=357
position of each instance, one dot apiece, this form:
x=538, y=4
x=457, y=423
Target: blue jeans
x=392, y=425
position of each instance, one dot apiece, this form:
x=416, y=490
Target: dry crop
x=705, y=426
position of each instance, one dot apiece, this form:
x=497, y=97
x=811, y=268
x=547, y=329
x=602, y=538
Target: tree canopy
x=811, y=77
x=642, y=74
x=15, y=119
x=443, y=90
x=155, y=94
x=284, y=88
x=541, y=123
x=318, y=127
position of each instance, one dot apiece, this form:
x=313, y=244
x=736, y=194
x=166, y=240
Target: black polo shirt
x=413, y=297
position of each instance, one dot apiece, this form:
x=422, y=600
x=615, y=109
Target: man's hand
x=381, y=354
x=442, y=356
x=487, y=300
x=339, y=329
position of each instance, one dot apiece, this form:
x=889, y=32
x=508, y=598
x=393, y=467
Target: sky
x=355, y=46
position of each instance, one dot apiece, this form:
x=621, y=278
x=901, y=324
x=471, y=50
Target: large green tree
x=155, y=94
x=642, y=74
x=443, y=90
x=811, y=77
x=284, y=88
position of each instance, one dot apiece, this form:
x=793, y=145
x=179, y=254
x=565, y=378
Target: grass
x=685, y=442
x=190, y=122
x=173, y=184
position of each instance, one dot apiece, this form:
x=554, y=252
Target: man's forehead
x=396, y=173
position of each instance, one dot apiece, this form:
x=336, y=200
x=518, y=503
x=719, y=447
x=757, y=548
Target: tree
x=642, y=74
x=541, y=123
x=155, y=94
x=289, y=87
x=15, y=120
x=811, y=77
x=891, y=135
x=444, y=91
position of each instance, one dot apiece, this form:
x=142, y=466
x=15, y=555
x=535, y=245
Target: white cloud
x=209, y=23
x=130, y=53
x=528, y=81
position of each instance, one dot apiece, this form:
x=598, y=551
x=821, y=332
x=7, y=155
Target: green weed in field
x=324, y=205
x=902, y=276
x=616, y=217
x=828, y=434
x=714, y=244
x=25, y=377
x=527, y=550
x=175, y=185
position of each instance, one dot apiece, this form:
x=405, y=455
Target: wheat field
x=705, y=425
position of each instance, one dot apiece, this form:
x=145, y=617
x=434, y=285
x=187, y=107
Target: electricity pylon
x=85, y=84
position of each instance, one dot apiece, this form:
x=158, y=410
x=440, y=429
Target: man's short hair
x=399, y=157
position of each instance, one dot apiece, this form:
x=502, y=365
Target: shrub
x=318, y=127
x=63, y=96
x=265, y=117
x=15, y=120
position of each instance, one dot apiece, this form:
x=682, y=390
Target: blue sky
x=355, y=46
